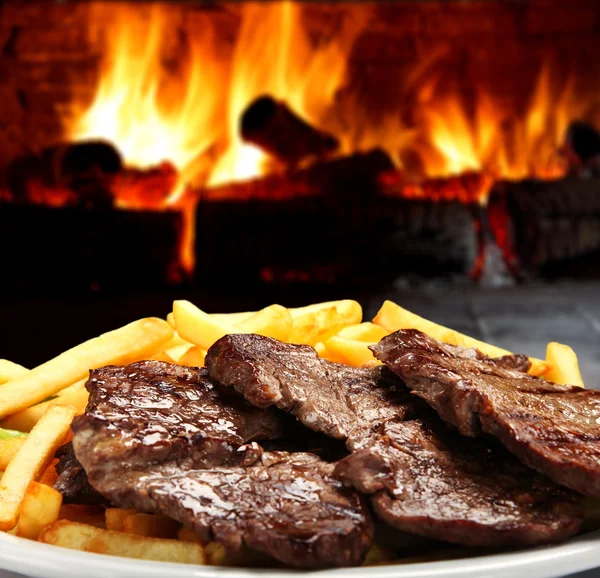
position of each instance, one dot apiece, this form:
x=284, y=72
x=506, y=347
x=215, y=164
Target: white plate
x=45, y=561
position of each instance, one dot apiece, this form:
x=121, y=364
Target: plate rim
x=40, y=560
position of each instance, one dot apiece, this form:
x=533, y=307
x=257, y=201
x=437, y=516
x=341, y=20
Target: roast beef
x=552, y=428
x=166, y=439
x=423, y=477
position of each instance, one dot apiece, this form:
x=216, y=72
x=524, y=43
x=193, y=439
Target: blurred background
x=443, y=154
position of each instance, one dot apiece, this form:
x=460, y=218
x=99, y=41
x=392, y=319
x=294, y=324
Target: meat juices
x=422, y=477
x=552, y=428
x=166, y=439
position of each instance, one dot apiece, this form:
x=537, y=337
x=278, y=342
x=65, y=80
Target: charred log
x=276, y=129
x=352, y=176
x=544, y=225
x=73, y=174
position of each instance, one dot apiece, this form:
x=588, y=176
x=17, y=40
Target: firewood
x=276, y=129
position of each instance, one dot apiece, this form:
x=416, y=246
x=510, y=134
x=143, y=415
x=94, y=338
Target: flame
x=172, y=102
x=152, y=113
x=501, y=142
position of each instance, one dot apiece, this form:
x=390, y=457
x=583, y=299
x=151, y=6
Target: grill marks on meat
x=552, y=428
x=343, y=402
x=166, y=439
x=423, y=478
x=288, y=506
x=428, y=480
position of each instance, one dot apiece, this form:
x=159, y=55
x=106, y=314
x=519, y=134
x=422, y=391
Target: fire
x=166, y=99
x=150, y=112
x=501, y=142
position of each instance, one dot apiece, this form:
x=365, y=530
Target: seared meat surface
x=431, y=481
x=423, y=478
x=552, y=428
x=166, y=439
x=344, y=402
x=72, y=480
x=288, y=506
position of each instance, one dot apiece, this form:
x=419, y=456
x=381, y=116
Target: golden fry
x=8, y=448
x=177, y=352
x=232, y=318
x=77, y=386
x=273, y=321
x=90, y=515
x=392, y=317
x=154, y=526
x=26, y=419
x=187, y=535
x=347, y=308
x=198, y=327
x=91, y=539
x=10, y=370
x=327, y=354
x=316, y=326
x=366, y=331
x=30, y=461
x=352, y=351
x=565, y=367
x=194, y=357
x=115, y=518
x=118, y=347
x=41, y=506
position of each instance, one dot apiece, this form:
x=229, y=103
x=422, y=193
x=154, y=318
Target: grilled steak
x=554, y=429
x=166, y=439
x=431, y=481
x=423, y=478
x=344, y=402
x=72, y=480
x=288, y=506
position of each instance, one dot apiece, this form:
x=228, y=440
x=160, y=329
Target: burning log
x=275, y=128
x=66, y=174
x=352, y=176
x=543, y=226
x=469, y=187
x=582, y=149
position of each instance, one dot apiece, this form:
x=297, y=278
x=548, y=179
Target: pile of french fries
x=38, y=405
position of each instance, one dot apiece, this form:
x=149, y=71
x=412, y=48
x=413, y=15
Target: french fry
x=10, y=370
x=115, y=518
x=154, y=526
x=161, y=356
x=171, y=320
x=8, y=448
x=351, y=351
x=187, y=535
x=26, y=419
x=392, y=317
x=347, y=308
x=117, y=347
x=327, y=354
x=232, y=318
x=215, y=554
x=90, y=515
x=273, y=321
x=565, y=367
x=367, y=332
x=91, y=539
x=77, y=386
x=198, y=327
x=194, y=357
x=41, y=506
x=177, y=352
x=312, y=327
x=50, y=474
x=30, y=461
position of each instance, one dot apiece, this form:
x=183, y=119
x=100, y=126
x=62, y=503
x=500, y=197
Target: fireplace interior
x=243, y=151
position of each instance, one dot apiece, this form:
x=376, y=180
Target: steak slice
x=424, y=478
x=433, y=482
x=552, y=428
x=72, y=480
x=346, y=403
x=150, y=412
x=166, y=439
x=288, y=506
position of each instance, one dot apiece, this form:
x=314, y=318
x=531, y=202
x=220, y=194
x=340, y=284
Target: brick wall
x=49, y=60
